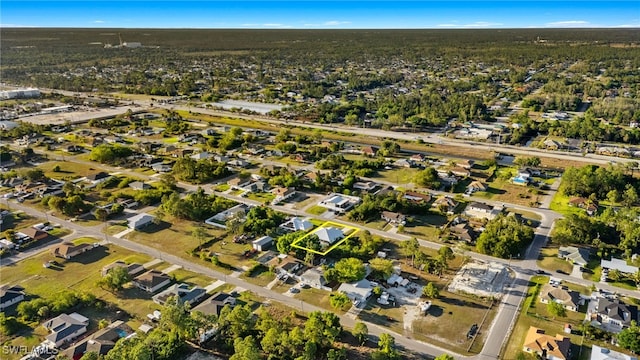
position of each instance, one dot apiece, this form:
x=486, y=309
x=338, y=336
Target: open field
x=459, y=312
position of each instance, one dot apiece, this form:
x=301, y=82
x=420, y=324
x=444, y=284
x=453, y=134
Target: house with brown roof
x=394, y=218
x=463, y=232
x=416, y=196
x=445, y=204
x=133, y=269
x=568, y=298
x=34, y=233
x=152, y=281
x=476, y=186
x=369, y=151
x=282, y=193
x=546, y=346
x=68, y=250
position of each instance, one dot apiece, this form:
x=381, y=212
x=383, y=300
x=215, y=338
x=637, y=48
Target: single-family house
x=201, y=156
x=329, y=235
x=463, y=232
x=140, y=221
x=282, y=193
x=100, y=342
x=611, y=314
x=416, y=196
x=600, y=353
x=466, y=163
x=618, y=264
x=314, y=277
x=65, y=328
x=263, y=243
x=460, y=171
x=406, y=163
x=339, y=203
x=576, y=255
x=417, y=157
x=481, y=210
x=475, y=186
x=239, y=182
x=185, y=295
x=139, y=185
x=133, y=269
x=97, y=178
x=35, y=234
x=358, y=291
x=297, y=224
x=546, y=346
x=369, y=151
x=393, y=218
x=568, y=298
x=152, y=281
x=161, y=167
x=10, y=295
x=214, y=304
x=365, y=186
x=11, y=182
x=445, y=204
x=69, y=250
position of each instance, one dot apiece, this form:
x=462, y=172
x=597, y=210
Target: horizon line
x=633, y=27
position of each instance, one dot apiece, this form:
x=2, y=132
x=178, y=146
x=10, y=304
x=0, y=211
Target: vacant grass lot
x=458, y=312
x=397, y=176
x=425, y=226
x=316, y=210
x=68, y=169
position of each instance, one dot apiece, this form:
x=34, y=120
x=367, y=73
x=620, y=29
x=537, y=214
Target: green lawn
x=560, y=203
x=317, y=297
x=425, y=226
x=550, y=261
x=68, y=169
x=397, y=176
x=262, y=197
x=316, y=210
x=78, y=274
x=222, y=187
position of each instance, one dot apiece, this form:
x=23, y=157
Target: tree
x=427, y=178
x=349, y=270
x=386, y=348
x=629, y=196
x=430, y=291
x=556, y=309
x=382, y=267
x=360, y=332
x=504, y=236
x=629, y=338
x=115, y=279
x=200, y=234
x=411, y=247
x=245, y=349
x=90, y=355
x=338, y=300
x=444, y=357
x=9, y=325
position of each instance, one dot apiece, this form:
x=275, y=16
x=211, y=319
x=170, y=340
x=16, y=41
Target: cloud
x=336, y=23
x=569, y=23
x=98, y=21
x=477, y=24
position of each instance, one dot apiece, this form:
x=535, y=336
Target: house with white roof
x=297, y=224
x=600, y=353
x=329, y=235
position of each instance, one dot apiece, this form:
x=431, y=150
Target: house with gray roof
x=575, y=255
x=10, y=295
x=611, y=315
x=185, y=294
x=65, y=328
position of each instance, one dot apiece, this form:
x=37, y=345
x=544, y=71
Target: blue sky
x=320, y=14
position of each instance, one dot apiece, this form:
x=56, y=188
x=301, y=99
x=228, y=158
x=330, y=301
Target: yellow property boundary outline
x=326, y=224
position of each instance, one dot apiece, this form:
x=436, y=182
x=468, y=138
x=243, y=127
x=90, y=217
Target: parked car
x=294, y=290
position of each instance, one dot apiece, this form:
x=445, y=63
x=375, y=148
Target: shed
x=263, y=243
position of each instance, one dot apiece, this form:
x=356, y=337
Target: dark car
x=562, y=272
x=541, y=272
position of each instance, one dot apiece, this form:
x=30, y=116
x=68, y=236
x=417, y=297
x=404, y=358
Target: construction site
x=486, y=279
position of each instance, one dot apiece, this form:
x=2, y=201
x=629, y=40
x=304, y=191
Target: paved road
x=495, y=338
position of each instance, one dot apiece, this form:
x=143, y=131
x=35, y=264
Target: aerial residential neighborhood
x=427, y=194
